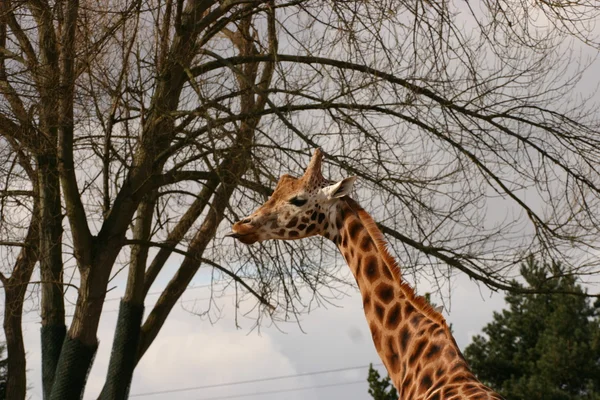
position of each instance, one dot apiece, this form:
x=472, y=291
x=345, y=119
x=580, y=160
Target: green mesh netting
x=52, y=337
x=124, y=351
x=72, y=370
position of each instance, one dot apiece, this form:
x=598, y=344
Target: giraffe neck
x=413, y=340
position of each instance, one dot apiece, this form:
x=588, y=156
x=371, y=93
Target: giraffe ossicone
x=411, y=337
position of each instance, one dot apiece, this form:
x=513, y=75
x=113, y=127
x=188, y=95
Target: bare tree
x=137, y=128
x=20, y=241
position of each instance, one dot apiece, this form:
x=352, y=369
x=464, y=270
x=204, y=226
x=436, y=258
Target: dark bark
x=72, y=369
x=16, y=362
x=134, y=291
x=52, y=338
x=124, y=351
x=15, y=289
x=131, y=310
x=51, y=268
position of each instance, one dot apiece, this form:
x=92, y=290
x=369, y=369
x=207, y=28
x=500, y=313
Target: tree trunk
x=52, y=306
x=72, y=369
x=124, y=351
x=14, y=294
x=16, y=379
x=131, y=311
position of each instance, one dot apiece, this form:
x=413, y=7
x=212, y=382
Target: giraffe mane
x=381, y=243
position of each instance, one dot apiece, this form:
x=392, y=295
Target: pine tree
x=3, y=372
x=380, y=388
x=544, y=346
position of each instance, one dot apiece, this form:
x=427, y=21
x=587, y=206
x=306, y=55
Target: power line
x=284, y=390
x=271, y=378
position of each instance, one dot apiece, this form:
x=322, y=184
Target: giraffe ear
x=339, y=189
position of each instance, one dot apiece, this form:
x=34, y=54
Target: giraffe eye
x=298, y=202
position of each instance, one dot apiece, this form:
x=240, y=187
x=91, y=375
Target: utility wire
x=271, y=378
x=235, y=396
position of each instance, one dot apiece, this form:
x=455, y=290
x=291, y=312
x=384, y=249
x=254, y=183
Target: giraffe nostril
x=245, y=221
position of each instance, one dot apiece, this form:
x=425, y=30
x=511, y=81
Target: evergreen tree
x=3, y=371
x=380, y=388
x=544, y=346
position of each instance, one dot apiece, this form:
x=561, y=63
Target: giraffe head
x=298, y=208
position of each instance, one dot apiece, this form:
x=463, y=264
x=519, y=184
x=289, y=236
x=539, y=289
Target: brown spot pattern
x=387, y=273
x=426, y=382
x=366, y=243
x=416, y=353
x=404, y=338
x=292, y=222
x=393, y=359
x=432, y=351
x=354, y=228
x=416, y=319
x=358, y=263
x=385, y=292
x=393, y=318
x=379, y=311
x=371, y=268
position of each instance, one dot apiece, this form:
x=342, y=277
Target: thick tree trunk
x=123, y=358
x=16, y=384
x=127, y=332
x=51, y=268
x=72, y=369
x=80, y=344
x=128, y=329
x=52, y=337
x=50, y=213
x=15, y=289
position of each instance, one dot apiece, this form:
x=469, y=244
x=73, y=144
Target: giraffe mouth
x=246, y=238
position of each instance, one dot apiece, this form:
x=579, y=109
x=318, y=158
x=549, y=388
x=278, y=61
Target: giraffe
x=412, y=339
